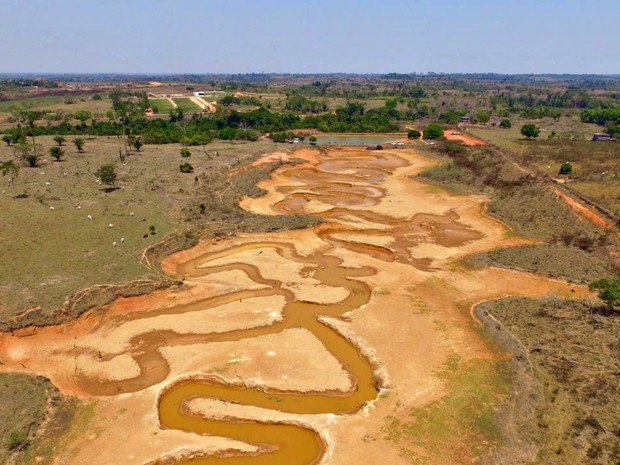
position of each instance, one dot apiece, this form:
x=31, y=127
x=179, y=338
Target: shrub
x=433, y=131
x=17, y=440
x=566, y=168
x=57, y=152
x=107, y=174
x=413, y=134
x=186, y=168
x=278, y=137
x=505, y=123
x=185, y=153
x=608, y=290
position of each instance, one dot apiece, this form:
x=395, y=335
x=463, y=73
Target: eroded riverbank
x=290, y=347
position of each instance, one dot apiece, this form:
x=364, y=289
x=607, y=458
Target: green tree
x=482, y=117
x=413, y=134
x=59, y=140
x=82, y=116
x=312, y=140
x=613, y=131
x=566, y=168
x=79, y=144
x=608, y=290
x=8, y=139
x=56, y=152
x=505, y=123
x=278, y=136
x=31, y=117
x=433, y=131
x=107, y=174
x=530, y=130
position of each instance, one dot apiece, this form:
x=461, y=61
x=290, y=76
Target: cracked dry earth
x=289, y=347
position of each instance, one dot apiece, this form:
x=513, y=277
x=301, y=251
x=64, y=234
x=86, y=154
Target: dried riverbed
x=289, y=347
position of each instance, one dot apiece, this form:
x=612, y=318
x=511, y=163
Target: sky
x=309, y=36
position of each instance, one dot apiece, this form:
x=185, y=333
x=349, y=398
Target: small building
x=200, y=94
x=464, y=119
x=601, y=136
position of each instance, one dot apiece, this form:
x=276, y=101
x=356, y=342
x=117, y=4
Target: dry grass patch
x=568, y=401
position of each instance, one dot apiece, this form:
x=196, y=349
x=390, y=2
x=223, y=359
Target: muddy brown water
x=346, y=182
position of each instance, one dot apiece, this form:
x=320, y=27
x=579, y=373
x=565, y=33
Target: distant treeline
x=602, y=116
x=227, y=125
x=278, y=77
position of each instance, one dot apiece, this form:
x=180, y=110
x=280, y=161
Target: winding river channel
x=388, y=242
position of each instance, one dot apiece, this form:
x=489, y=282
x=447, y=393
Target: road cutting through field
x=279, y=346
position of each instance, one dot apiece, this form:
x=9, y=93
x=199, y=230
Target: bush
x=413, y=134
x=107, y=174
x=278, y=137
x=530, y=130
x=17, y=440
x=566, y=168
x=433, y=131
x=186, y=168
x=505, y=123
x=185, y=153
x=608, y=291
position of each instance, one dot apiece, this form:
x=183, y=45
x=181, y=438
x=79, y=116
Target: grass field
x=27, y=402
x=575, y=249
x=186, y=104
x=596, y=166
x=568, y=359
x=162, y=105
x=57, y=102
x=56, y=252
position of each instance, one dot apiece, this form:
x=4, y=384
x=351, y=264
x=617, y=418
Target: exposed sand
x=463, y=137
x=581, y=209
x=385, y=267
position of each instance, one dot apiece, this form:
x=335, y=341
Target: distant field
x=186, y=104
x=596, y=166
x=57, y=102
x=162, y=105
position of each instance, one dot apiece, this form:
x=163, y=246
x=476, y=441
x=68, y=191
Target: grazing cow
x=110, y=225
x=114, y=244
x=52, y=208
x=122, y=240
x=89, y=217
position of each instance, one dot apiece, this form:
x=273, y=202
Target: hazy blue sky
x=231, y=36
